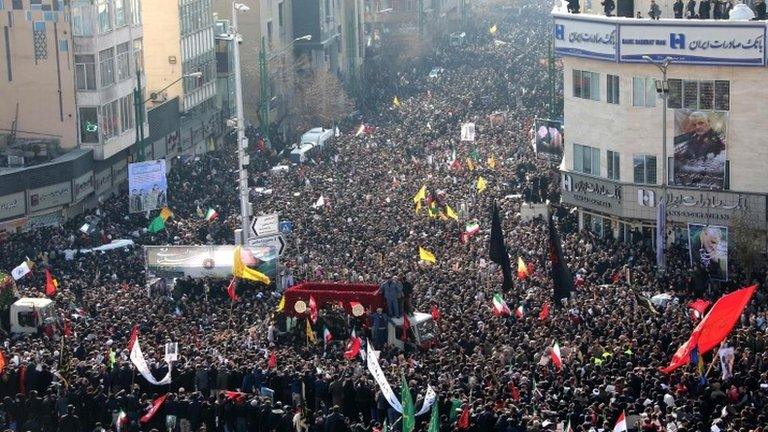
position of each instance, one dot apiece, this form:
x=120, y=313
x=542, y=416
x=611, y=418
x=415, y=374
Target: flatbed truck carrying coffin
x=369, y=296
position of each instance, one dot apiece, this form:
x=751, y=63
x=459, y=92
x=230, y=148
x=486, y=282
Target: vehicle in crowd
x=28, y=314
x=458, y=39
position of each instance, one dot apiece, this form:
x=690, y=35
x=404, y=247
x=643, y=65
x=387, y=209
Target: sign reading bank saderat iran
x=581, y=38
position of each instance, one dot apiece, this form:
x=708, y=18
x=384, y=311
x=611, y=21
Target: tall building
x=180, y=62
x=617, y=150
x=69, y=72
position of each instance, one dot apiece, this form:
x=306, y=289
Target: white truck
x=28, y=314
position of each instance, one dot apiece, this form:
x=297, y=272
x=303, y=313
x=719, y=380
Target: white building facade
x=613, y=152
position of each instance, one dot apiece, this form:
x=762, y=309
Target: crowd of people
x=681, y=9
x=491, y=373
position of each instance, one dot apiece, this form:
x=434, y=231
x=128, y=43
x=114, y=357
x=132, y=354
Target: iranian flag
x=519, y=312
x=327, y=336
x=122, y=421
x=621, y=423
x=211, y=215
x=500, y=306
x=471, y=228
x=557, y=360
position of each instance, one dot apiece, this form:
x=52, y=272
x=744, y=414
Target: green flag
x=409, y=417
x=157, y=225
x=434, y=421
x=112, y=359
x=474, y=155
x=455, y=408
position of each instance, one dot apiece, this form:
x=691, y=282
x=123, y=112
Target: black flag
x=498, y=251
x=560, y=273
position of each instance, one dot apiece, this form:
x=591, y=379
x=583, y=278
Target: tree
x=747, y=243
x=319, y=99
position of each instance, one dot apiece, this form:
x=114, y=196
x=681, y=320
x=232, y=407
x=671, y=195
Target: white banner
x=468, y=132
x=20, y=271
x=381, y=380
x=429, y=399
x=137, y=358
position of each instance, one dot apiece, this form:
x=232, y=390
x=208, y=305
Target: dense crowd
x=497, y=368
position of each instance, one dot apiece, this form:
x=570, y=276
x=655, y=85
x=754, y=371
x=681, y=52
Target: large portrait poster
x=700, y=148
x=147, y=186
x=549, y=139
x=708, y=247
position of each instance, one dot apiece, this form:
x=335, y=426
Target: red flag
x=156, y=404
x=134, y=336
x=714, y=327
x=231, y=290
x=514, y=391
x=406, y=326
x=463, y=422
x=234, y=395
x=312, y=309
x=50, y=284
x=67, y=330
x=2, y=363
x=353, y=349
x=699, y=307
x=544, y=314
x=616, y=278
x=272, y=361
x=435, y=312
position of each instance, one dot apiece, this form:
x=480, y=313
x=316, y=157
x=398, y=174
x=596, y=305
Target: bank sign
x=735, y=45
x=628, y=40
x=582, y=38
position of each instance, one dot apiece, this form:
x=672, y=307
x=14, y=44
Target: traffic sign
x=286, y=226
x=265, y=225
x=275, y=241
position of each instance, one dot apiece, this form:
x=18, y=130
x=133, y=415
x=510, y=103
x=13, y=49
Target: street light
x=242, y=141
x=264, y=80
x=662, y=88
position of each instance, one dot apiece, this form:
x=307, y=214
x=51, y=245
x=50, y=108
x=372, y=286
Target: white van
x=303, y=153
x=27, y=314
x=317, y=136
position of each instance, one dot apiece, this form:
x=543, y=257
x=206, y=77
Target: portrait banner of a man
x=549, y=139
x=708, y=248
x=700, y=148
x=147, y=186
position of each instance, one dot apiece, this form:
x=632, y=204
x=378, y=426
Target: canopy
x=369, y=295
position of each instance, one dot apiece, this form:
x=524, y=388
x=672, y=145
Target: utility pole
x=351, y=51
x=421, y=17
x=242, y=141
x=464, y=15
x=138, y=114
x=264, y=81
x=551, y=69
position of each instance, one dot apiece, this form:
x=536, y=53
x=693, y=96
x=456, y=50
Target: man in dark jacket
x=677, y=8
x=760, y=12
x=335, y=422
x=690, y=9
x=608, y=7
x=704, y=9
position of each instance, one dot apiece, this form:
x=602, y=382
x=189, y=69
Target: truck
x=29, y=313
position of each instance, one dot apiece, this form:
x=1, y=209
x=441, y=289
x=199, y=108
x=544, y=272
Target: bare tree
x=319, y=100
x=748, y=243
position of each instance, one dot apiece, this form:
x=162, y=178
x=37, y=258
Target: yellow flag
x=450, y=213
x=281, y=306
x=418, y=206
x=491, y=162
x=396, y=102
x=240, y=270
x=310, y=333
x=493, y=29
x=421, y=194
x=426, y=255
x=470, y=164
x=165, y=213
x=481, y=184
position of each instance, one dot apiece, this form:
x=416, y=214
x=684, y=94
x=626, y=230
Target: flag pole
x=717, y=357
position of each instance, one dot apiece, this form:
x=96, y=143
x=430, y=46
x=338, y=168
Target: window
x=138, y=54
x=704, y=95
x=126, y=113
x=123, y=61
x=612, y=94
x=645, y=169
x=64, y=45
x=643, y=92
x=280, y=15
x=102, y=9
x=89, y=125
x=135, y=12
x=107, y=67
x=85, y=72
x=613, y=165
x=120, y=13
x=109, y=115
x=586, y=159
x=269, y=32
x=586, y=85
x=82, y=25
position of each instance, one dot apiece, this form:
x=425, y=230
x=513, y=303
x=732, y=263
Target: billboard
x=549, y=139
x=170, y=262
x=700, y=148
x=147, y=186
x=708, y=248
x=739, y=45
x=12, y=205
x=49, y=196
x=583, y=38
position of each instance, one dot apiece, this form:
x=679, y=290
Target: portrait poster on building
x=708, y=248
x=700, y=148
x=549, y=139
x=147, y=186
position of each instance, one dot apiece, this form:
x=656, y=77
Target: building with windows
x=69, y=72
x=614, y=162
x=180, y=62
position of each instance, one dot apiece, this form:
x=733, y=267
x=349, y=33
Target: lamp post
x=264, y=81
x=662, y=88
x=242, y=141
x=138, y=109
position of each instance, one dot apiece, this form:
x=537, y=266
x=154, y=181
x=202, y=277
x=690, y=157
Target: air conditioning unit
x=158, y=97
